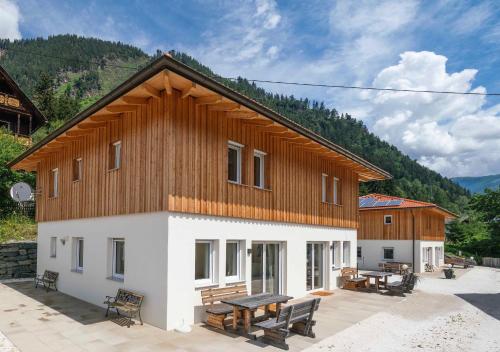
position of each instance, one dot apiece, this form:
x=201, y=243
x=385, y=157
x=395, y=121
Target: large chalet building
x=173, y=182
x=18, y=114
x=393, y=229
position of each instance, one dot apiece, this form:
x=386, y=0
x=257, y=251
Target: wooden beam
x=188, y=90
x=259, y=122
x=105, y=117
x=241, y=115
x=275, y=129
x=64, y=139
x=91, y=125
x=135, y=100
x=208, y=99
x=155, y=93
x=79, y=133
x=166, y=82
x=224, y=107
x=121, y=108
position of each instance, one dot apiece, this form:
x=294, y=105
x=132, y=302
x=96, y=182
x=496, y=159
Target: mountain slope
x=92, y=67
x=478, y=184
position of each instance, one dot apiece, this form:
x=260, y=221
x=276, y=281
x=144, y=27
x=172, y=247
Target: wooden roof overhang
x=446, y=213
x=166, y=74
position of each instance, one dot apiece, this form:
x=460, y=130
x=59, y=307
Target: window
x=115, y=150
x=359, y=252
x=234, y=162
x=347, y=253
x=232, y=261
x=118, y=258
x=79, y=255
x=324, y=181
x=203, y=274
x=387, y=219
x=258, y=168
x=337, y=191
x=53, y=247
x=388, y=253
x=54, y=183
x=77, y=169
x=5, y=124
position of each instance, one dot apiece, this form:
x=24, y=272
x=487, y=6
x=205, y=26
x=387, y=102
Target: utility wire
x=274, y=82
x=364, y=88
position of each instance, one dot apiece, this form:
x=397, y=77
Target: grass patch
x=17, y=228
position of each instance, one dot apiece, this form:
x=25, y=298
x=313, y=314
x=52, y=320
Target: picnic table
x=377, y=275
x=249, y=304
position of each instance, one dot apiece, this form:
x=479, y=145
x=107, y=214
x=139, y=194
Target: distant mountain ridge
x=87, y=68
x=478, y=184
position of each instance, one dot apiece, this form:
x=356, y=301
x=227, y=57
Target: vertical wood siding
x=174, y=157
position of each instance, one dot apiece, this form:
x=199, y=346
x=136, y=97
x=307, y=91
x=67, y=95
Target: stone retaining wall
x=17, y=260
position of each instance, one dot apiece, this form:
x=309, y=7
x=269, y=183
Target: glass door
x=266, y=268
x=315, y=265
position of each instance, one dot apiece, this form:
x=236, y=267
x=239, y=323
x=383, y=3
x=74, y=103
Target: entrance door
x=315, y=265
x=266, y=268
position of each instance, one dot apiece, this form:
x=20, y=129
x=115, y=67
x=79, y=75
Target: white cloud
x=452, y=134
x=9, y=20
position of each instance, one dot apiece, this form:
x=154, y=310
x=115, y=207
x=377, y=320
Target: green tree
x=44, y=95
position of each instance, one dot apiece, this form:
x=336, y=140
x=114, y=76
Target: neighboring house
x=17, y=113
x=393, y=229
x=173, y=182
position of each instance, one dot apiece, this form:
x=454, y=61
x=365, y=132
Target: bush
x=17, y=228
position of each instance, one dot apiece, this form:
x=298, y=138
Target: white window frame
x=8, y=124
x=344, y=262
x=210, y=280
x=236, y=277
x=53, y=247
x=324, y=182
x=238, y=148
x=385, y=219
x=113, y=263
x=336, y=181
x=55, y=184
x=393, y=253
x=359, y=252
x=79, y=268
x=117, y=150
x=262, y=157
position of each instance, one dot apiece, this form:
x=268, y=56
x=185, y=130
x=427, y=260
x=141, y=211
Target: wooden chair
x=406, y=285
x=300, y=315
x=217, y=312
x=48, y=279
x=126, y=302
x=350, y=279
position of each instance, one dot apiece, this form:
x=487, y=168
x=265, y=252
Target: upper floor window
x=234, y=161
x=387, y=219
x=115, y=151
x=337, y=191
x=77, y=169
x=259, y=168
x=324, y=183
x=54, y=183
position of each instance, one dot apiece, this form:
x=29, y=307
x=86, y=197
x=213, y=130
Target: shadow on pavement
x=487, y=302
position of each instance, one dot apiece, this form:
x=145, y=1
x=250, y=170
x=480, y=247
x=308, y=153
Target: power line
x=366, y=88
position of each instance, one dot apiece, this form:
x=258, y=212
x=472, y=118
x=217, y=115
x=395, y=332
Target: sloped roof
x=376, y=201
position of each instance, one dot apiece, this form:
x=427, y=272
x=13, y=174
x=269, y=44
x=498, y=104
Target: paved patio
x=34, y=320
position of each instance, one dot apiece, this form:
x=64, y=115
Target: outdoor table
x=249, y=304
x=377, y=275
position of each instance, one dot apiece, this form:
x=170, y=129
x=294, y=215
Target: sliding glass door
x=266, y=268
x=315, y=266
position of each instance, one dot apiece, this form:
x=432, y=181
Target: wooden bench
x=48, y=279
x=406, y=285
x=299, y=315
x=394, y=267
x=350, y=279
x=217, y=312
x=127, y=302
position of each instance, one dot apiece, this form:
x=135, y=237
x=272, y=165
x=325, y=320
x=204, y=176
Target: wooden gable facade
x=173, y=127
x=17, y=113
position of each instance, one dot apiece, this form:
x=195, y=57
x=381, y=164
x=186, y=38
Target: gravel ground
x=6, y=345
x=442, y=315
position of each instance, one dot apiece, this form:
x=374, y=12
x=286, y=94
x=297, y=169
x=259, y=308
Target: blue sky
x=442, y=45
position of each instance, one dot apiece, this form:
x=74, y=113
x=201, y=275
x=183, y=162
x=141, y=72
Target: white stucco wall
x=145, y=259
x=372, y=252
x=160, y=258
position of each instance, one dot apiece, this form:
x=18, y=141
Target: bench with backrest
x=217, y=312
x=350, y=279
x=127, y=302
x=299, y=315
x=48, y=279
x=406, y=285
x=394, y=267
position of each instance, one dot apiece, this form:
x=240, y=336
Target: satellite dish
x=21, y=192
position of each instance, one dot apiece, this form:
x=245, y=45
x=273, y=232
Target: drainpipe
x=413, y=230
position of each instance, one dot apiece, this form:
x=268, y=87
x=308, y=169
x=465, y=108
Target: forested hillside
x=478, y=184
x=66, y=73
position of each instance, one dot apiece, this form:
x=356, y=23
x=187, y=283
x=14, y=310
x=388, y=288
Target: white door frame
x=280, y=264
x=322, y=287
